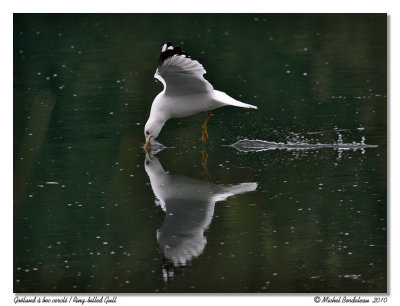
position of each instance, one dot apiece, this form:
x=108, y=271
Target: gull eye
x=147, y=162
x=147, y=132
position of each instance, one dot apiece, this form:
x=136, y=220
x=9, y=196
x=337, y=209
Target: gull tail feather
x=225, y=99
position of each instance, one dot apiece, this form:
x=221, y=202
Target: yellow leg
x=204, y=133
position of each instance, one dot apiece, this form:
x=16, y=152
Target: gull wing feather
x=180, y=74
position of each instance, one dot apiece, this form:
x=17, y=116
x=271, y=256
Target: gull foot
x=204, y=134
x=204, y=157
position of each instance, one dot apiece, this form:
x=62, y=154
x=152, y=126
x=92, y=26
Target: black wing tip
x=168, y=50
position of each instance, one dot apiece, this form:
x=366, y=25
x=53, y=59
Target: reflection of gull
x=186, y=92
x=189, y=206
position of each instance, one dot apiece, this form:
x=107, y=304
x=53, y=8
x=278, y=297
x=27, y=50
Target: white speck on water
x=51, y=183
x=288, y=71
x=305, y=73
x=351, y=276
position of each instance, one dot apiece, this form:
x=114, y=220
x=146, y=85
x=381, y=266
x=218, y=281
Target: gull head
x=152, y=129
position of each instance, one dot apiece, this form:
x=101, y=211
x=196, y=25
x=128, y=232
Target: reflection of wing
x=180, y=74
x=181, y=236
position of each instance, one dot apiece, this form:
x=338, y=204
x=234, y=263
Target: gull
x=186, y=92
x=189, y=208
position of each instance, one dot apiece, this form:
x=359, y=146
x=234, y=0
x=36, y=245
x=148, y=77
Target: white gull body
x=186, y=92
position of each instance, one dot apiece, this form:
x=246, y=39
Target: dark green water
x=85, y=214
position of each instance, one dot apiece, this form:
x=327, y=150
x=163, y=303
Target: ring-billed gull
x=186, y=92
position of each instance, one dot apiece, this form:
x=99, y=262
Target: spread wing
x=179, y=73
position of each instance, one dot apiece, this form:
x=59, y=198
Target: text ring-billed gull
x=186, y=92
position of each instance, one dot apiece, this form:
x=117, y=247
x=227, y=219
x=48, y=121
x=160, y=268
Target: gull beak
x=147, y=143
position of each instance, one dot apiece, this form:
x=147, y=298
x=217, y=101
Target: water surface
x=93, y=213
